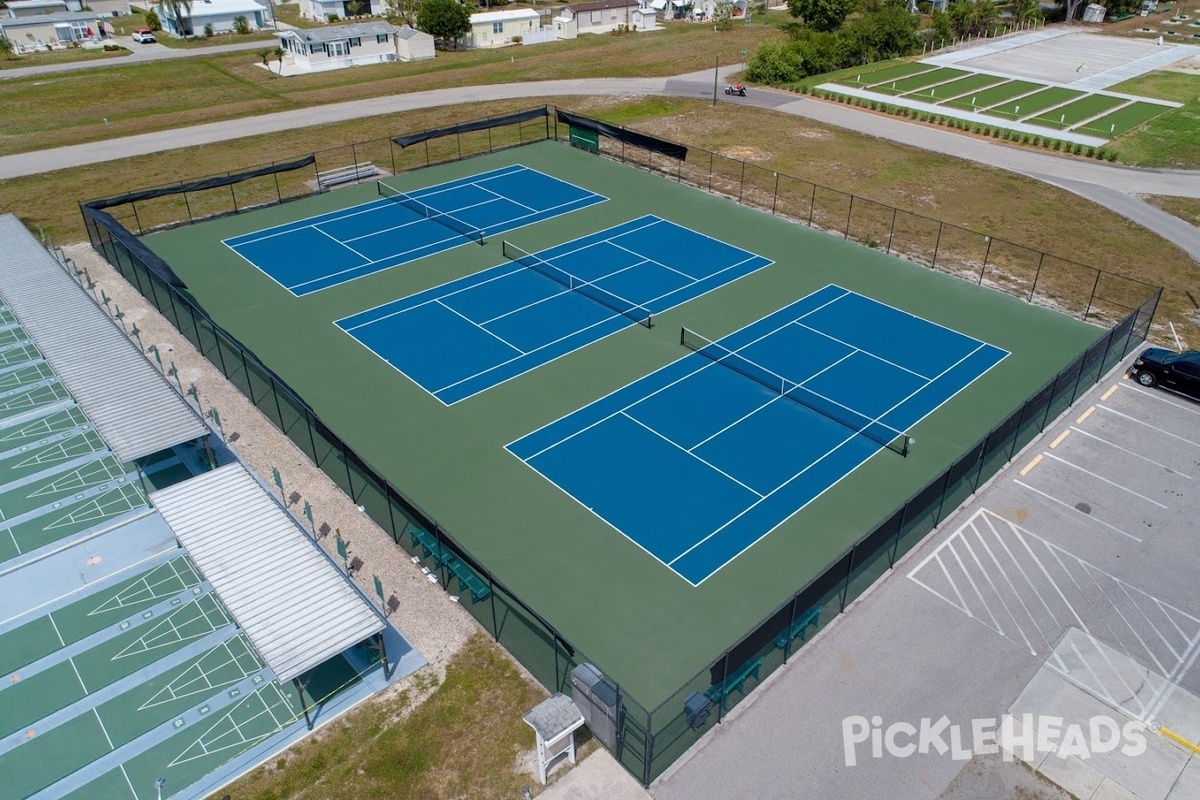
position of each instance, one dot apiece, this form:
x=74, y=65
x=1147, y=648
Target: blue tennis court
x=326, y=250
x=464, y=337
x=721, y=459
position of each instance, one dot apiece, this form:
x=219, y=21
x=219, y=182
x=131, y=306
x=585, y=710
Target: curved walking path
x=1113, y=187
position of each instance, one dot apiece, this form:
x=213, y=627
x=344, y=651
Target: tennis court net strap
x=428, y=212
x=628, y=308
x=885, y=435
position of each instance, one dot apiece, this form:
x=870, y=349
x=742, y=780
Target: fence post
x=427, y=152
x=710, y=170
x=138, y=220
x=354, y=155
x=458, y=144
x=188, y=206
x=1091, y=299
x=742, y=183
x=1036, y=275
x=775, y=196
x=233, y=198
x=987, y=252
x=849, y=214
x=892, y=231
x=936, y=246
x=812, y=205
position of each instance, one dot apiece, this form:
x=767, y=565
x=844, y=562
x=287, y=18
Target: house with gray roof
x=339, y=46
x=52, y=31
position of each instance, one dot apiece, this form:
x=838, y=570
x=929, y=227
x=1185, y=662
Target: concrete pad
x=1188, y=785
x=597, y=777
x=1073, y=775
x=1111, y=790
x=1014, y=747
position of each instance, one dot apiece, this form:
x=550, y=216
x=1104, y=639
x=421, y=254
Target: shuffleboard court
x=1031, y=105
x=722, y=459
x=467, y=336
x=977, y=101
x=1084, y=108
x=958, y=88
x=921, y=80
x=887, y=74
x=1123, y=120
x=330, y=249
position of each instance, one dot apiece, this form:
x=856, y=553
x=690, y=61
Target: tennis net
x=885, y=435
x=637, y=313
x=430, y=213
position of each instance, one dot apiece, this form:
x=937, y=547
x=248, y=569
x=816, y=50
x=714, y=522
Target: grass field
x=1169, y=140
x=460, y=742
x=60, y=57
x=50, y=111
x=992, y=95
x=657, y=630
x=927, y=183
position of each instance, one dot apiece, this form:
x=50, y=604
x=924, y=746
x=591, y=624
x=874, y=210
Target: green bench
x=799, y=628
x=735, y=682
x=466, y=576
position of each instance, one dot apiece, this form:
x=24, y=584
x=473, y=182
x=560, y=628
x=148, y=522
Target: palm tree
x=177, y=7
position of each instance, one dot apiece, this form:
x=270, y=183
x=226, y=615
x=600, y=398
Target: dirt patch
x=812, y=133
x=745, y=153
x=992, y=778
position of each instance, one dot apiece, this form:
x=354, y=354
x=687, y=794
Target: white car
x=143, y=36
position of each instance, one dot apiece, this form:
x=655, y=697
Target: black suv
x=1177, y=371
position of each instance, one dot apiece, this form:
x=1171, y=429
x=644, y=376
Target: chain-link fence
x=649, y=740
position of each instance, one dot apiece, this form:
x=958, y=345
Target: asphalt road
x=1113, y=187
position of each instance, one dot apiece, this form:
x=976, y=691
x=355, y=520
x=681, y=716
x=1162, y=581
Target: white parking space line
x=1072, y=508
x=1148, y=425
x=1032, y=592
x=1116, y=446
x=1163, y=396
x=1102, y=478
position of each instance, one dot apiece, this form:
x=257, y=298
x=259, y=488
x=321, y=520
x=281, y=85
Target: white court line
x=129, y=782
x=480, y=327
x=568, y=291
x=103, y=729
x=737, y=421
x=827, y=454
x=54, y=624
x=865, y=352
x=1076, y=510
x=706, y=365
x=499, y=196
x=1130, y=452
x=340, y=242
x=646, y=260
x=71, y=661
x=1102, y=478
x=516, y=268
x=418, y=220
x=1148, y=425
x=374, y=266
x=690, y=453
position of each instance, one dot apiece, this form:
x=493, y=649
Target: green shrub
x=1111, y=156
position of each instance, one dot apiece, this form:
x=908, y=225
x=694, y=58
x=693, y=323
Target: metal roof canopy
x=290, y=600
x=137, y=412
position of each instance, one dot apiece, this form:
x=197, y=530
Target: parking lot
x=1064, y=590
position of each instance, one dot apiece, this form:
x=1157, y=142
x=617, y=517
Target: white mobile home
x=340, y=46
x=500, y=28
x=218, y=13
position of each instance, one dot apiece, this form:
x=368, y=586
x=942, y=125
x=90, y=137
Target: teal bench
x=799, y=628
x=735, y=682
x=466, y=576
x=468, y=579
